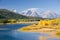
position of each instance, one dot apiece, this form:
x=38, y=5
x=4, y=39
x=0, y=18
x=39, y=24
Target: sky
x=21, y=5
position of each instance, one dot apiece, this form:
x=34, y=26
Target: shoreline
x=35, y=22
x=51, y=35
x=33, y=28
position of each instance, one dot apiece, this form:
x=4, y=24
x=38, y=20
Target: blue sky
x=20, y=5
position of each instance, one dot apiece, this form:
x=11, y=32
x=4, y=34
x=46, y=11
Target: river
x=14, y=34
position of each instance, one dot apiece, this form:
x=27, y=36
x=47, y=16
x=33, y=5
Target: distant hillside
x=4, y=13
x=37, y=12
x=36, y=18
x=7, y=14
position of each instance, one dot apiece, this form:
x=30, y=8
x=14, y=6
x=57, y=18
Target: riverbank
x=34, y=22
x=28, y=22
x=44, y=30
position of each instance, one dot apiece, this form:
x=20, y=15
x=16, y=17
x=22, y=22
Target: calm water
x=17, y=35
x=13, y=26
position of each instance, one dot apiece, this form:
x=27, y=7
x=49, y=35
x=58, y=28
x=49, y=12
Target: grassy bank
x=51, y=27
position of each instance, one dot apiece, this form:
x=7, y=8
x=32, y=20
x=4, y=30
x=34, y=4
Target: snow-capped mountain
x=36, y=12
x=49, y=14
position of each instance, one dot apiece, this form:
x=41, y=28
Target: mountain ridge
x=10, y=14
x=7, y=14
x=36, y=12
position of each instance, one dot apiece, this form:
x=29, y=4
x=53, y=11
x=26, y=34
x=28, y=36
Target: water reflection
x=16, y=35
x=5, y=35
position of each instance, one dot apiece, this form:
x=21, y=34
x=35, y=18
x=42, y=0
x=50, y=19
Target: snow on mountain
x=49, y=14
x=36, y=12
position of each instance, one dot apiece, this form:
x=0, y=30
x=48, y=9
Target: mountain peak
x=31, y=9
x=31, y=12
x=37, y=12
x=50, y=11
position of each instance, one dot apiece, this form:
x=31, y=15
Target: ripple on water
x=16, y=35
